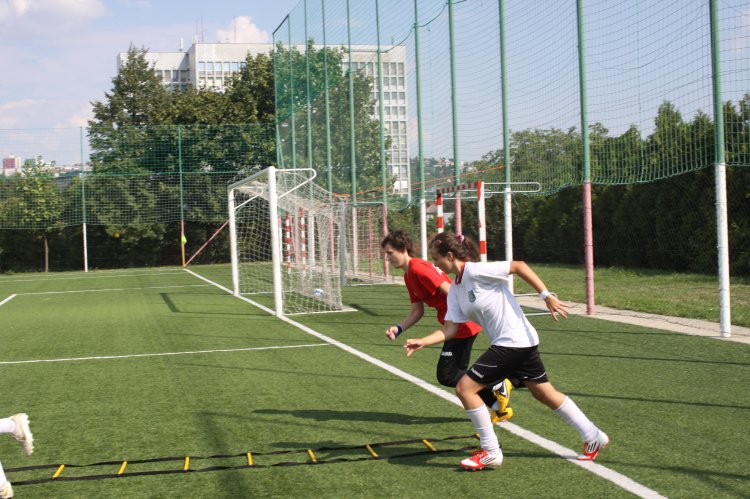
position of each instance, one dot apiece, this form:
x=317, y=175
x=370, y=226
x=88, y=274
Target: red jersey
x=423, y=281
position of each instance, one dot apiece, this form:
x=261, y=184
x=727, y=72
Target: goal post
x=284, y=230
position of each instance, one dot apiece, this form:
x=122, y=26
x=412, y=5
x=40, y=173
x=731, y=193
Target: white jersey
x=481, y=294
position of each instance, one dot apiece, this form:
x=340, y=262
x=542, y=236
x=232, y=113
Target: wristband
x=399, y=329
x=544, y=294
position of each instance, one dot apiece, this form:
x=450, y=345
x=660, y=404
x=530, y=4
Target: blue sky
x=59, y=55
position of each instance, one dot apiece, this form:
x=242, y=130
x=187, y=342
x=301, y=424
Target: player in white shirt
x=16, y=425
x=480, y=293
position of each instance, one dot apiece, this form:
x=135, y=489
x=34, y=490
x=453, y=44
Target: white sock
x=483, y=424
x=571, y=414
x=3, y=480
x=7, y=425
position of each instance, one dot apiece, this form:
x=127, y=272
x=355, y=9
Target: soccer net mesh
x=365, y=227
x=284, y=232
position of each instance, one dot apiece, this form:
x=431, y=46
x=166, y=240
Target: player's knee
x=447, y=378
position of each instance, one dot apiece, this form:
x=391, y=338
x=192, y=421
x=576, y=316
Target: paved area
x=677, y=324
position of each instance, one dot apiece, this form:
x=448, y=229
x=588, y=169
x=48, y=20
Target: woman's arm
x=555, y=306
x=416, y=313
x=446, y=332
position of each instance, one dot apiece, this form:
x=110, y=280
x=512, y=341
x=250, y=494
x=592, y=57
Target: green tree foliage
x=301, y=85
x=666, y=224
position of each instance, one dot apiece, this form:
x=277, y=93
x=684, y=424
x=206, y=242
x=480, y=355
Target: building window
x=201, y=68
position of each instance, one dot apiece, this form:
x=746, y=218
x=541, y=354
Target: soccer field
x=156, y=383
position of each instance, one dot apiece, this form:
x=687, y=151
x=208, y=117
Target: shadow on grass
x=379, y=417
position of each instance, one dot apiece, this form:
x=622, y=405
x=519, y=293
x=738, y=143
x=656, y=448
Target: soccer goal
x=363, y=261
x=284, y=239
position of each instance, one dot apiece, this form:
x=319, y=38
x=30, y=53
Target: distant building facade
x=211, y=65
x=11, y=165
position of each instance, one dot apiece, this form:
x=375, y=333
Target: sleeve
x=492, y=271
x=454, y=312
x=429, y=277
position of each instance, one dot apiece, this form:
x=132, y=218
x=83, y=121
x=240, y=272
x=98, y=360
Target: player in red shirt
x=429, y=285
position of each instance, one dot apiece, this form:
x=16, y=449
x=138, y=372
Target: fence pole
x=329, y=166
x=454, y=116
x=83, y=208
x=293, y=110
x=352, y=140
x=183, y=239
x=380, y=104
x=588, y=231
x=507, y=199
x=720, y=173
x=420, y=144
x=308, y=46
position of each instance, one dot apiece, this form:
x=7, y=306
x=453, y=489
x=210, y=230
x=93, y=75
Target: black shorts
x=508, y=362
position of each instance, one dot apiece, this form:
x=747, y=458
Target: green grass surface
x=674, y=405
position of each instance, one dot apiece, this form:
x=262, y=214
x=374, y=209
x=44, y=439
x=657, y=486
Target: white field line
x=98, y=275
x=109, y=289
x=162, y=354
x=568, y=454
x=7, y=300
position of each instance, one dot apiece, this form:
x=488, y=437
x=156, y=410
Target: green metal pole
x=420, y=144
x=83, y=208
x=507, y=197
x=454, y=113
x=276, y=102
x=308, y=46
x=182, y=198
x=380, y=106
x=293, y=111
x=352, y=141
x=329, y=161
x=588, y=232
x=720, y=174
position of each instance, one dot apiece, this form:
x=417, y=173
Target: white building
x=210, y=65
x=11, y=165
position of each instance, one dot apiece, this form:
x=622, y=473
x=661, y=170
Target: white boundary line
x=7, y=299
x=602, y=471
x=110, y=289
x=97, y=276
x=106, y=357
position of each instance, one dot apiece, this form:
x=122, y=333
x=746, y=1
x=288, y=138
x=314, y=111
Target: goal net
x=284, y=237
x=364, y=262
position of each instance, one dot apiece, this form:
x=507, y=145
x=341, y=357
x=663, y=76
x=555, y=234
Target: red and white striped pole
x=288, y=241
x=439, y=204
x=482, y=225
x=303, y=238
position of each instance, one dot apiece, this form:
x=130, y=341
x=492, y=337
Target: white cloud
x=47, y=16
x=242, y=29
x=11, y=113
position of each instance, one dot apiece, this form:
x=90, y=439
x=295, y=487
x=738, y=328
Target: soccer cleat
x=482, y=459
x=6, y=491
x=23, y=433
x=501, y=391
x=591, y=449
x=497, y=416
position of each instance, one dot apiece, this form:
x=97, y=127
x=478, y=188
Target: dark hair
x=400, y=240
x=461, y=246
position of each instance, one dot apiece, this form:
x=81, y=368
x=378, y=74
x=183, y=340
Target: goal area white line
x=160, y=354
x=569, y=455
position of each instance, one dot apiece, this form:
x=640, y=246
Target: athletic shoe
x=497, y=416
x=23, y=433
x=501, y=391
x=591, y=449
x=6, y=491
x=482, y=459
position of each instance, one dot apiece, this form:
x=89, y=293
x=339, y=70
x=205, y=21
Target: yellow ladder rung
x=59, y=470
x=122, y=467
x=186, y=466
x=249, y=459
x=429, y=445
x=312, y=456
x=369, y=449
